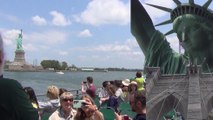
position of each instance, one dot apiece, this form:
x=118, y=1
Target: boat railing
x=76, y=93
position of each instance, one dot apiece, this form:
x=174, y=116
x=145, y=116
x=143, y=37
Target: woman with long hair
x=33, y=99
x=113, y=99
x=31, y=94
x=88, y=110
x=132, y=88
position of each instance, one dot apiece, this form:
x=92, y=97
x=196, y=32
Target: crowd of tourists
x=62, y=104
x=118, y=99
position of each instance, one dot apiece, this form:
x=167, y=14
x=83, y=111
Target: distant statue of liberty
x=193, y=25
x=19, y=42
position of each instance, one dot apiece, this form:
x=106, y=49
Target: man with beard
x=138, y=105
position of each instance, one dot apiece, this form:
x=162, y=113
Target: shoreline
x=70, y=71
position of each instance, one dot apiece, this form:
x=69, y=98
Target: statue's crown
x=182, y=9
x=191, y=9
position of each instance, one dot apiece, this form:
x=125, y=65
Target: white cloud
x=9, y=36
x=115, y=48
x=64, y=53
x=132, y=43
x=156, y=13
x=100, y=12
x=82, y=57
x=59, y=19
x=44, y=47
x=47, y=37
x=39, y=20
x=112, y=48
x=85, y=33
x=111, y=55
x=30, y=47
x=128, y=50
x=132, y=55
x=174, y=43
x=95, y=57
x=137, y=53
x=12, y=18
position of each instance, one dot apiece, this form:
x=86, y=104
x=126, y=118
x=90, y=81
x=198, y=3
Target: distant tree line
x=123, y=69
x=54, y=64
x=64, y=66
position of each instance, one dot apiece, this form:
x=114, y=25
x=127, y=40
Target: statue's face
x=196, y=35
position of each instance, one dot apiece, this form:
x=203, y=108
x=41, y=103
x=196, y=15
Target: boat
x=60, y=72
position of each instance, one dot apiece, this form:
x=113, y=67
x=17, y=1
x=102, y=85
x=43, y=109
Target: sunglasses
x=65, y=100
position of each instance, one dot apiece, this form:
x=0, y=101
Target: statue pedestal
x=20, y=57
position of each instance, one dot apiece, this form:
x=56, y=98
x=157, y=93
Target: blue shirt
x=113, y=102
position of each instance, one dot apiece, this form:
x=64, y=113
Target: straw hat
x=126, y=82
x=133, y=83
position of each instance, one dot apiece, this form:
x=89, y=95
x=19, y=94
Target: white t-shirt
x=118, y=92
x=103, y=93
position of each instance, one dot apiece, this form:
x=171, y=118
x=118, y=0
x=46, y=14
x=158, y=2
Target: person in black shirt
x=138, y=105
x=14, y=102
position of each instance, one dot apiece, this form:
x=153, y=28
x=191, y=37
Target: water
x=39, y=81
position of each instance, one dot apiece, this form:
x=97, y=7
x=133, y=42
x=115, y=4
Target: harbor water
x=39, y=81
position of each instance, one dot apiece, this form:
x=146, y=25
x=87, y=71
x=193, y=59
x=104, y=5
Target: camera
x=84, y=82
x=83, y=104
x=79, y=103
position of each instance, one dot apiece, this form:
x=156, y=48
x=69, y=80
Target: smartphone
x=78, y=103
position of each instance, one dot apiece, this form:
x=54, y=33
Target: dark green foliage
x=54, y=64
x=64, y=65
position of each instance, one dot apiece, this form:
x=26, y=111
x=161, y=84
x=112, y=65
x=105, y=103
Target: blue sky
x=87, y=33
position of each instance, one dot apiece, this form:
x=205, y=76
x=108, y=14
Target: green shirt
x=14, y=103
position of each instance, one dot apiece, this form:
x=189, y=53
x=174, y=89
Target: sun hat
x=133, y=83
x=126, y=82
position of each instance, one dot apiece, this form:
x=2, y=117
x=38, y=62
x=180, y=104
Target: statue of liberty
x=19, y=53
x=19, y=42
x=193, y=25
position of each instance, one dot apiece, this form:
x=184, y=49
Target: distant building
x=87, y=69
x=72, y=68
x=50, y=69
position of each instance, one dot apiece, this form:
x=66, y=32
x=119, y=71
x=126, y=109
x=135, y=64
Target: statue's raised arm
x=153, y=43
x=141, y=24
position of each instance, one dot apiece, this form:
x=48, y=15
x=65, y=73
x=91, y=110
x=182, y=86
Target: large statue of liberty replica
x=193, y=25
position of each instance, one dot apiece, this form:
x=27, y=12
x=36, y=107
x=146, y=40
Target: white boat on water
x=60, y=72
